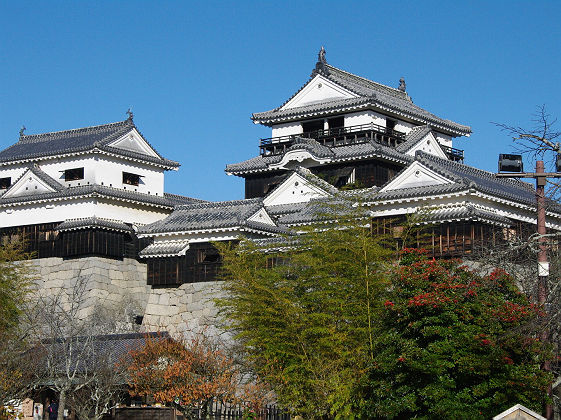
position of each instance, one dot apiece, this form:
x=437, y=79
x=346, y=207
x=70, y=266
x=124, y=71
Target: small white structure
x=518, y=412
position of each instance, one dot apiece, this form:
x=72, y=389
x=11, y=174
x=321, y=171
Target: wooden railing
x=457, y=155
x=335, y=137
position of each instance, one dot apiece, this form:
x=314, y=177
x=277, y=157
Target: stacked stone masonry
x=188, y=308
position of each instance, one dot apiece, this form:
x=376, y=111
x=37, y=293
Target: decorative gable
x=262, y=217
x=294, y=189
x=299, y=157
x=427, y=144
x=134, y=142
x=28, y=184
x=416, y=175
x=318, y=89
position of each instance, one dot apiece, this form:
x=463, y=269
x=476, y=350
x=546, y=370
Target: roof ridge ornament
x=130, y=114
x=402, y=86
x=321, y=65
x=22, y=131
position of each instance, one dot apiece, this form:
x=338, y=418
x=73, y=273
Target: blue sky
x=193, y=72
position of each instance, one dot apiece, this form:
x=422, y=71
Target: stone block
x=164, y=299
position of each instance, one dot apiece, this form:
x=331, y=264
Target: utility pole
x=543, y=263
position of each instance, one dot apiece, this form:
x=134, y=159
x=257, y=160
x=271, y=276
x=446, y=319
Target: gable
x=28, y=184
x=318, y=89
x=133, y=141
x=416, y=175
x=298, y=157
x=427, y=144
x=294, y=189
x=262, y=216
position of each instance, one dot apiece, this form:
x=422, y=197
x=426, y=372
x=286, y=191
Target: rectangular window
x=5, y=183
x=337, y=122
x=74, y=174
x=312, y=129
x=390, y=125
x=131, y=179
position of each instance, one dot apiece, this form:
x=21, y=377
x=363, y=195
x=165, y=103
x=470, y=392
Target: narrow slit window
x=73, y=174
x=5, y=183
x=131, y=179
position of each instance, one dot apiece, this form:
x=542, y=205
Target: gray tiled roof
x=181, y=199
x=413, y=137
x=371, y=94
x=35, y=146
x=486, y=182
x=320, y=209
x=466, y=212
x=464, y=178
x=94, y=222
x=418, y=191
x=311, y=146
x=90, y=191
x=164, y=249
x=339, y=154
x=211, y=215
x=316, y=180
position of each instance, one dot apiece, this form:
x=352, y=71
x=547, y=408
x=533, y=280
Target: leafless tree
x=539, y=142
x=74, y=362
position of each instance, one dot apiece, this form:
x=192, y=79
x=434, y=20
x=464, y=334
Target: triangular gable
x=261, y=216
x=28, y=184
x=134, y=142
x=318, y=89
x=294, y=189
x=427, y=144
x=519, y=412
x=416, y=175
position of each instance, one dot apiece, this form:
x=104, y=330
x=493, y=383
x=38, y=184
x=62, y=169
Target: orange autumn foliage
x=188, y=374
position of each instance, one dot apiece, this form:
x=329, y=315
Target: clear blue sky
x=193, y=72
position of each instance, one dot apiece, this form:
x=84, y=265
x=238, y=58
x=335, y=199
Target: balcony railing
x=335, y=137
x=343, y=136
x=456, y=155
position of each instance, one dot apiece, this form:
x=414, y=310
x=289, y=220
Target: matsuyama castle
x=95, y=195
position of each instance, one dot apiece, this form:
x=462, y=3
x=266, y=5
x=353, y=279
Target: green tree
x=15, y=282
x=306, y=312
x=454, y=344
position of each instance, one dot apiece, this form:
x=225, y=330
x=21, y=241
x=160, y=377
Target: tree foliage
x=306, y=312
x=188, y=374
x=15, y=283
x=454, y=344
x=340, y=330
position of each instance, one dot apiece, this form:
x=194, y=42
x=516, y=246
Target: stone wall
x=188, y=308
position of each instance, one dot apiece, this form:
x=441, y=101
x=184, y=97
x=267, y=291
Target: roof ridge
x=220, y=203
x=472, y=169
x=25, y=137
x=361, y=79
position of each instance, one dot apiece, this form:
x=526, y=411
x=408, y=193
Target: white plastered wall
x=45, y=212
x=13, y=172
x=287, y=129
x=443, y=139
x=318, y=89
x=109, y=172
x=30, y=214
x=98, y=169
x=364, y=117
x=403, y=126
x=55, y=169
